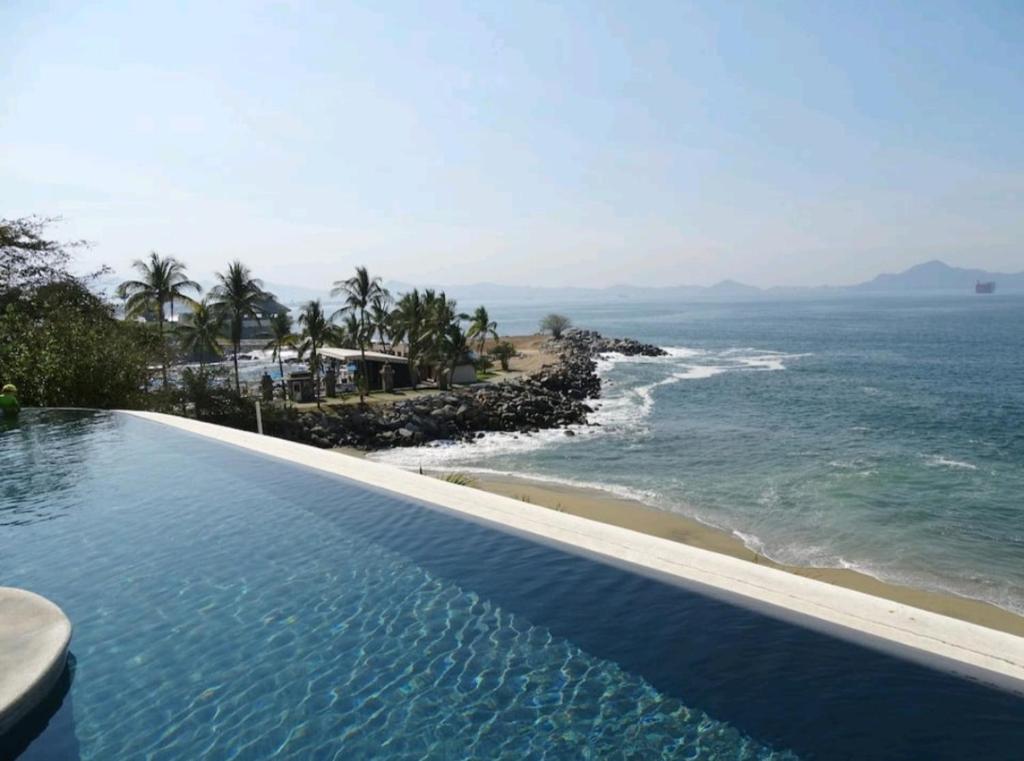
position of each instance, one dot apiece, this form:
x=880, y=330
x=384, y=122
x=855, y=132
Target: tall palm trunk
x=163, y=342
x=316, y=376
x=236, y=346
x=280, y=367
x=364, y=386
x=414, y=371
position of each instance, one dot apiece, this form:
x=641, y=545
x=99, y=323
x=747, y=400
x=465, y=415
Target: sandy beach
x=532, y=355
x=599, y=505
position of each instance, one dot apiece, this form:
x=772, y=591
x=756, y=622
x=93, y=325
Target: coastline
x=604, y=507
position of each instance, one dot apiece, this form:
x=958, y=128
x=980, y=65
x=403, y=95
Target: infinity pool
x=232, y=606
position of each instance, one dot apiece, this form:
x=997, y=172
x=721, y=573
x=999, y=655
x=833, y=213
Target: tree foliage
x=60, y=343
x=555, y=324
x=360, y=292
x=503, y=351
x=199, y=336
x=481, y=326
x=236, y=297
x=30, y=260
x=162, y=281
x=407, y=324
x=281, y=338
x=317, y=330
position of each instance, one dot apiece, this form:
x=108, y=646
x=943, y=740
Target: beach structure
x=254, y=327
x=980, y=287
x=300, y=386
x=464, y=372
x=258, y=326
x=375, y=363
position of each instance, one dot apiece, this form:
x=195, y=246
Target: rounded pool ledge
x=34, y=639
x=971, y=650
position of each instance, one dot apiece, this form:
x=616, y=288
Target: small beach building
x=464, y=372
x=375, y=364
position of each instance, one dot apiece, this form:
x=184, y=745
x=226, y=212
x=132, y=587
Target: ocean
x=884, y=435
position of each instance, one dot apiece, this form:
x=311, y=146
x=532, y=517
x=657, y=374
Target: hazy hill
x=929, y=277
x=939, y=276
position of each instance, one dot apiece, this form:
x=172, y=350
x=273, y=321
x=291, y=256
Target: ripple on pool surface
x=227, y=620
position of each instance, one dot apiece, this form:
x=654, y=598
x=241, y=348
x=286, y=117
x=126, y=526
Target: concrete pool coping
x=972, y=650
x=34, y=639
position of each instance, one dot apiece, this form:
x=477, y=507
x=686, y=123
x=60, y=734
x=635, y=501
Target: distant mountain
x=929, y=277
x=939, y=276
x=733, y=291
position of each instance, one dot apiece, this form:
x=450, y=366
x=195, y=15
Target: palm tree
x=407, y=324
x=316, y=331
x=453, y=347
x=380, y=318
x=282, y=338
x=162, y=280
x=237, y=295
x=199, y=336
x=440, y=316
x=349, y=332
x=359, y=291
x=480, y=327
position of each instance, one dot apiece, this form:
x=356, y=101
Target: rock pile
x=550, y=398
x=461, y=415
x=593, y=343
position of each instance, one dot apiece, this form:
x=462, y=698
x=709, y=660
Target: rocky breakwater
x=553, y=397
x=591, y=343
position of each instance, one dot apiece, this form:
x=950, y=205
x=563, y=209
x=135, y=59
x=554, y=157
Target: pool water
x=231, y=606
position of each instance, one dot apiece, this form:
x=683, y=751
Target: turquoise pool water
x=230, y=606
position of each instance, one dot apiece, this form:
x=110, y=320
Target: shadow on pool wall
x=48, y=732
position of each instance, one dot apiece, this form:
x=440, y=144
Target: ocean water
x=884, y=435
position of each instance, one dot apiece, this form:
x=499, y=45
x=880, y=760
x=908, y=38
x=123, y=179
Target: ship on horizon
x=989, y=287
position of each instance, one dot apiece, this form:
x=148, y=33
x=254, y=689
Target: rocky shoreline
x=554, y=397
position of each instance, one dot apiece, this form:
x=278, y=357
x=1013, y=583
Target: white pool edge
x=988, y=654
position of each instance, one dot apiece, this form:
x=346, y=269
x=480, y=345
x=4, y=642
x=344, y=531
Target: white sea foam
x=682, y=352
x=623, y=410
x=763, y=363
x=940, y=461
x=769, y=497
x=699, y=372
x=750, y=541
x=462, y=454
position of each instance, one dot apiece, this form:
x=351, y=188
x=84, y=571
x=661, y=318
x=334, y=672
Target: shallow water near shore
x=881, y=435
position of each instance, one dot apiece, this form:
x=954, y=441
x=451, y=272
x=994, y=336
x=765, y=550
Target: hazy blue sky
x=562, y=143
